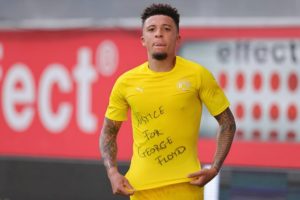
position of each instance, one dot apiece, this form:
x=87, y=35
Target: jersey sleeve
x=211, y=94
x=118, y=107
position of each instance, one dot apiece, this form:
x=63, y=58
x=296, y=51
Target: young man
x=165, y=95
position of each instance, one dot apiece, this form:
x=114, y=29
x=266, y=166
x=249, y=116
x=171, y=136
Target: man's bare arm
x=224, y=138
x=109, y=149
x=108, y=142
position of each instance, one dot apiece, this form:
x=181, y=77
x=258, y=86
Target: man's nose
x=158, y=33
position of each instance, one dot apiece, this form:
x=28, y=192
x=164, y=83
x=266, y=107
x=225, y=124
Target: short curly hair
x=161, y=9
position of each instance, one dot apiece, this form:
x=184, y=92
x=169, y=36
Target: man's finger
x=196, y=174
x=125, y=191
x=198, y=182
x=194, y=182
x=128, y=185
x=129, y=189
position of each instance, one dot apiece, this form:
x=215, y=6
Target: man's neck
x=162, y=65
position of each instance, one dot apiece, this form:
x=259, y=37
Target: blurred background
x=59, y=60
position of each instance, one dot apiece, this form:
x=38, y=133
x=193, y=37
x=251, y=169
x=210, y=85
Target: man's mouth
x=159, y=45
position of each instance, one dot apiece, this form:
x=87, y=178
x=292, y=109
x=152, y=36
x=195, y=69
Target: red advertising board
x=55, y=87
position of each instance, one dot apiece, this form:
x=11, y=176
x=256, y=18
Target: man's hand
x=203, y=176
x=119, y=183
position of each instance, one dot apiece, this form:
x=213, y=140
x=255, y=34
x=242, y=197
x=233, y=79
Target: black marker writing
x=155, y=148
x=164, y=159
x=146, y=118
x=151, y=134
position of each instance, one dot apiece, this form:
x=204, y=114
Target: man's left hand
x=203, y=176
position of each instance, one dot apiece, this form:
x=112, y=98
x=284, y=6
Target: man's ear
x=178, y=39
x=143, y=40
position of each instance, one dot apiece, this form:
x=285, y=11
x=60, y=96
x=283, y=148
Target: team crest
x=184, y=85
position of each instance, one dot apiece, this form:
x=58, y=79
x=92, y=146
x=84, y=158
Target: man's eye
x=151, y=29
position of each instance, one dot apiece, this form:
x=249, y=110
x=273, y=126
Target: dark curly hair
x=161, y=9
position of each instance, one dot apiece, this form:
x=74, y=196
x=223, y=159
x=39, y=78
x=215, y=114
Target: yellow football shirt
x=166, y=112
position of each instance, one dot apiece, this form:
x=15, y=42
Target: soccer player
x=165, y=96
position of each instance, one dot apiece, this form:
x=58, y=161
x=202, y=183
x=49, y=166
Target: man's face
x=160, y=36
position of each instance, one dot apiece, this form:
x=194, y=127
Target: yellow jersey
x=166, y=111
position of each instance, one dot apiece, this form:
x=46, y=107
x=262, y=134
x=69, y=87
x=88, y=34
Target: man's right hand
x=120, y=185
